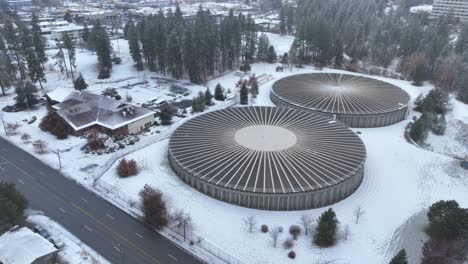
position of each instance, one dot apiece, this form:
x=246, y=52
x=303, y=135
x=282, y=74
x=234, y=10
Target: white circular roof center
x=265, y=138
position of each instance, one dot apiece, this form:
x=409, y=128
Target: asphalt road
x=110, y=231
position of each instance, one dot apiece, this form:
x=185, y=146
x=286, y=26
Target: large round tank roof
x=266, y=150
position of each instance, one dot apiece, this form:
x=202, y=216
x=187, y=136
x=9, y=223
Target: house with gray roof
x=84, y=110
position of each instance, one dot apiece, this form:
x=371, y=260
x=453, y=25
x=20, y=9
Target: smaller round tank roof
x=337, y=93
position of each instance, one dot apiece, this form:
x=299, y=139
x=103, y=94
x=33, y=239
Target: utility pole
x=60, y=161
x=3, y=123
x=27, y=104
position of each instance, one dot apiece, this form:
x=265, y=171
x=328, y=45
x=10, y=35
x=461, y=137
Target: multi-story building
x=459, y=9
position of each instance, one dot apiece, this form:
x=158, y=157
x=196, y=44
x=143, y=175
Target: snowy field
x=400, y=181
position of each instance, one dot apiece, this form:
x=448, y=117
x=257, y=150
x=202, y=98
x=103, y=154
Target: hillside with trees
x=379, y=34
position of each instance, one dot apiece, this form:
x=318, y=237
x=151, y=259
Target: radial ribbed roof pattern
x=340, y=93
x=267, y=149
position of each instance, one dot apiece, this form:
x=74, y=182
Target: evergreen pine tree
x=134, y=46
x=36, y=73
x=85, y=35
x=254, y=88
x=420, y=74
x=199, y=103
x=263, y=45
x=419, y=129
x=282, y=17
x=326, y=229
x=219, y=93
x=39, y=46
x=79, y=83
x=7, y=69
x=25, y=94
x=400, y=258
x=71, y=52
x=244, y=95
x=13, y=43
x=271, y=54
x=285, y=58
x=208, y=97
x=103, y=50
x=68, y=17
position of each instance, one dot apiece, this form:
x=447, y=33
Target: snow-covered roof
x=83, y=109
x=421, y=9
x=60, y=94
x=23, y=246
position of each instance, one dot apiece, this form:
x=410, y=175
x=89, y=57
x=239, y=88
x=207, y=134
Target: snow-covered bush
x=295, y=231
x=288, y=243
x=127, y=168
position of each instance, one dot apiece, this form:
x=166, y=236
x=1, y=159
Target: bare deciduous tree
x=358, y=212
x=12, y=128
x=274, y=234
x=306, y=222
x=250, y=223
x=346, y=232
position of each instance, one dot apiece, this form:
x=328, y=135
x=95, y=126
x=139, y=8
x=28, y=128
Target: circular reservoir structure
x=355, y=100
x=268, y=157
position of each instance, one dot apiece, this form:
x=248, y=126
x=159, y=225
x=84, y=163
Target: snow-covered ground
x=282, y=44
x=400, y=179
x=74, y=251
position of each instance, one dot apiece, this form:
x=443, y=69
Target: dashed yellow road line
x=114, y=232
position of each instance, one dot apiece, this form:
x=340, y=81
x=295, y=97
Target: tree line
x=380, y=34
x=198, y=48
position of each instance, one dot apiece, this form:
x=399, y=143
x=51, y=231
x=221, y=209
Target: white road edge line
x=139, y=235
x=23, y=161
x=89, y=229
x=110, y=216
x=63, y=211
x=171, y=256
x=22, y=182
x=116, y=248
x=84, y=200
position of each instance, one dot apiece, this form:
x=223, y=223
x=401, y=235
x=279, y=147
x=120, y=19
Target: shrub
x=55, y=125
x=25, y=137
x=288, y=243
x=264, y=229
x=12, y=128
x=40, y=146
x=167, y=110
x=33, y=119
x=94, y=139
x=295, y=231
x=292, y=255
x=127, y=168
x=400, y=258
x=154, y=207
